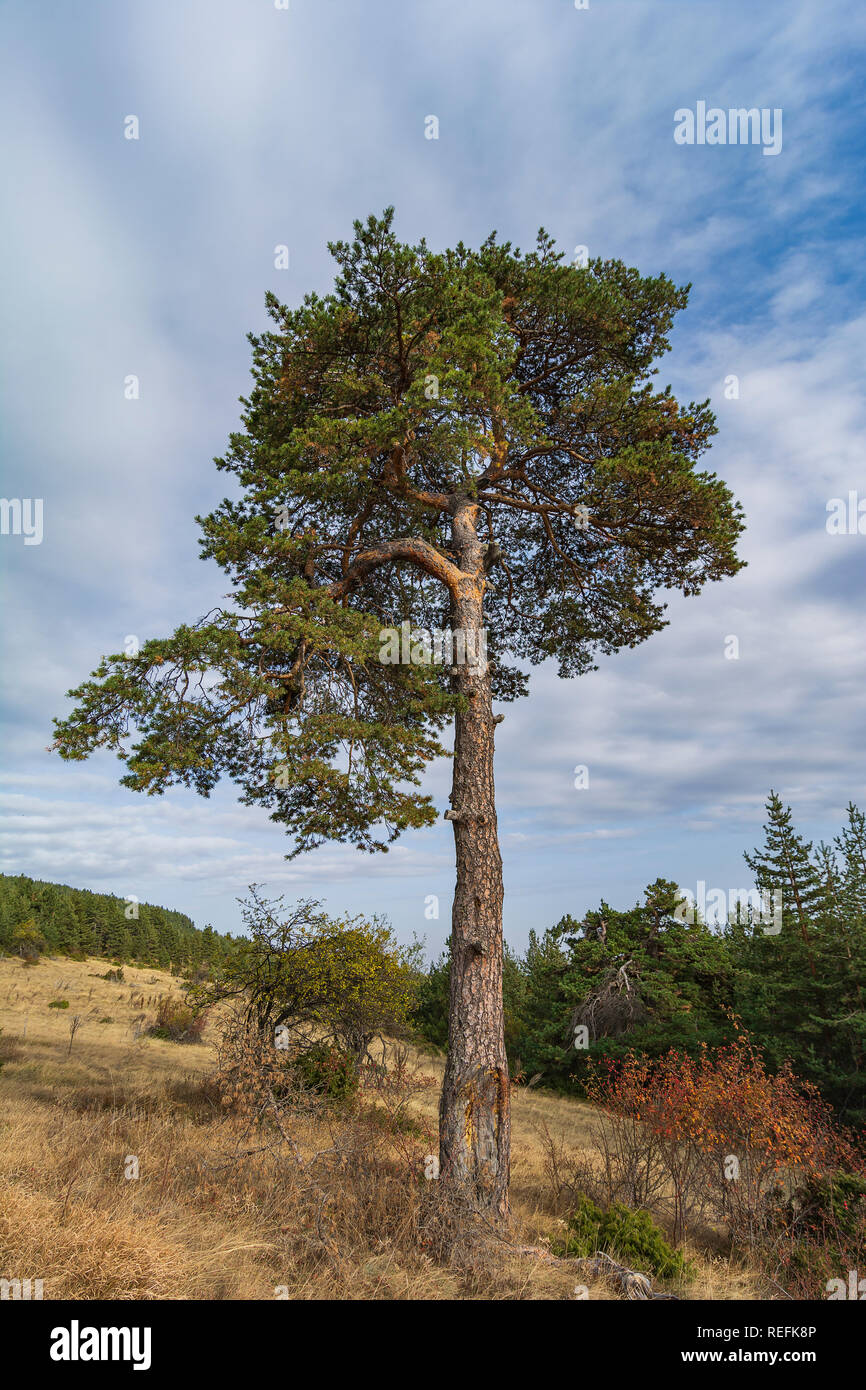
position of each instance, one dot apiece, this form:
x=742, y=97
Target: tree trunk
x=474, y=1118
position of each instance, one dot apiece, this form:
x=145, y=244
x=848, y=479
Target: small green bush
x=829, y=1205
x=583, y=1226
x=630, y=1236
x=327, y=1070
x=177, y=1021
x=59, y=1004
x=818, y=1235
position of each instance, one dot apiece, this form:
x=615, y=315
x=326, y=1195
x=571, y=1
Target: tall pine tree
x=469, y=440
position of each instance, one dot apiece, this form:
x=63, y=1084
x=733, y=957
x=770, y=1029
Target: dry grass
x=208, y=1219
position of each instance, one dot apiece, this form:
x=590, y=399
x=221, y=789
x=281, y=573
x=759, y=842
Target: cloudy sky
x=261, y=126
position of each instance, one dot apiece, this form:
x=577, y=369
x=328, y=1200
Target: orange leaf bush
x=714, y=1135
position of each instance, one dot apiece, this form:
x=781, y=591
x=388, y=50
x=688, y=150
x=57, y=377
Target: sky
x=261, y=126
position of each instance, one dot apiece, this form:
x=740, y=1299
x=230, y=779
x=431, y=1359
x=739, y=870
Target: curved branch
x=408, y=551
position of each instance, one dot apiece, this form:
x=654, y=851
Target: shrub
x=631, y=1236
x=728, y=1136
x=29, y=941
x=583, y=1226
x=304, y=972
x=327, y=1070
x=818, y=1236
x=177, y=1021
x=640, y=1243
x=59, y=1004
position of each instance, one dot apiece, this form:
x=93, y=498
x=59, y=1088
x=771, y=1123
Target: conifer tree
x=784, y=865
x=842, y=871
x=776, y=982
x=642, y=979
x=851, y=846
x=469, y=441
x=800, y=992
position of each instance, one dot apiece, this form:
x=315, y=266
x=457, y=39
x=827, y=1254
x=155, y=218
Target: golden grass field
x=202, y=1222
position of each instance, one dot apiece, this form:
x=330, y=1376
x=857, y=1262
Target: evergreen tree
x=645, y=979
x=799, y=991
x=470, y=439
x=851, y=847
x=783, y=865
x=73, y=921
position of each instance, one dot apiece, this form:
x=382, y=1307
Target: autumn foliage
x=714, y=1136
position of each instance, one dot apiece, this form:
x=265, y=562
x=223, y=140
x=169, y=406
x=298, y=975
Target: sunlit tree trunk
x=474, y=1120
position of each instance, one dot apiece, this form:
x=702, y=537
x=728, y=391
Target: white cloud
x=260, y=126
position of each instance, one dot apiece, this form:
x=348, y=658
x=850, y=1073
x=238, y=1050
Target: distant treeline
x=657, y=976
x=653, y=977
x=37, y=917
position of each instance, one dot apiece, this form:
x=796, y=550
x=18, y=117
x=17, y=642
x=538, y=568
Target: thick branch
x=408, y=550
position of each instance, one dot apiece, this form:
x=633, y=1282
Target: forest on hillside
x=37, y=917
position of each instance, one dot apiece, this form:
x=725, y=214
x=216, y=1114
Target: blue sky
x=261, y=127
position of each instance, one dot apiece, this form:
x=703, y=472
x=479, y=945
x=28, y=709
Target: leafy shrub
x=346, y=979
x=327, y=1070
x=830, y=1204
x=631, y=1236
x=29, y=941
x=177, y=1021
x=819, y=1235
x=724, y=1134
x=59, y=1004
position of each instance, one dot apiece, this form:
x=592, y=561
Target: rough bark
x=474, y=1115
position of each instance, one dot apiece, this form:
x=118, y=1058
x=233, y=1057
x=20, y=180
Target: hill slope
x=36, y=916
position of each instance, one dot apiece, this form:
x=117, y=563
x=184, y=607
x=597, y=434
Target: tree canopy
x=519, y=381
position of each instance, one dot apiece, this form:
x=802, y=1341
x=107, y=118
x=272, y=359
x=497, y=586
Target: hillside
x=213, y=1214
x=76, y=922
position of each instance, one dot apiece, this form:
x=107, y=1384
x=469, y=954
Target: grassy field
x=217, y=1212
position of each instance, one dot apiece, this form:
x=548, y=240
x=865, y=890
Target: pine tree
x=467, y=440
x=643, y=979
x=68, y=940
x=776, y=983
x=800, y=992
x=842, y=870
x=851, y=846
x=784, y=865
